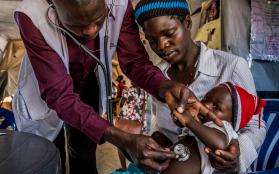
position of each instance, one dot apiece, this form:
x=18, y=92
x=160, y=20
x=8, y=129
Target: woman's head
x=166, y=24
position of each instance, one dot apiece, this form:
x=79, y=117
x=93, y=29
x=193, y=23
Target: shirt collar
x=207, y=61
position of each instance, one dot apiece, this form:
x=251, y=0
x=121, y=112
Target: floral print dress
x=134, y=105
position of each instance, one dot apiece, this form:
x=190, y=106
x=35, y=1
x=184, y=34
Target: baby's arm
x=211, y=137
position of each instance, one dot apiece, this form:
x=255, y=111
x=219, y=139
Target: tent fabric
x=236, y=37
x=3, y=83
x=236, y=40
x=10, y=63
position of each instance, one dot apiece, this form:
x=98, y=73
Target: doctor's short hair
x=77, y=2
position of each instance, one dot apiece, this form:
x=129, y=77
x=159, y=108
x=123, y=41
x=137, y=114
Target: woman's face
x=168, y=37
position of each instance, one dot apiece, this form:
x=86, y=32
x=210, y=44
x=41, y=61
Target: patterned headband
x=147, y=9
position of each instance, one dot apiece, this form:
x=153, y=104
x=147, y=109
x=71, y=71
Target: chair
x=268, y=159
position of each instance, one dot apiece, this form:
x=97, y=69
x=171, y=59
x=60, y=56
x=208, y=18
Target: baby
x=233, y=105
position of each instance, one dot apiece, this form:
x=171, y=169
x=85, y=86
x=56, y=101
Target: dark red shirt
x=120, y=87
x=74, y=96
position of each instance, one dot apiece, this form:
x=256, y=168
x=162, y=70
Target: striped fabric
x=160, y=5
x=216, y=67
x=147, y=9
x=269, y=152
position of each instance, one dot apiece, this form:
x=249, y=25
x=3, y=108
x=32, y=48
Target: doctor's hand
x=145, y=152
x=141, y=149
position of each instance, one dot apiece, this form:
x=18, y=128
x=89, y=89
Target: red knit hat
x=245, y=105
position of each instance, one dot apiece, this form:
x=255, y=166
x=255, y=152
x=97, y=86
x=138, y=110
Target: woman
x=166, y=24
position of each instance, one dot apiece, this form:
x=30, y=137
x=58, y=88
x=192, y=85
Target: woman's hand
x=225, y=160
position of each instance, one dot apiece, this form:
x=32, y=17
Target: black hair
x=76, y=2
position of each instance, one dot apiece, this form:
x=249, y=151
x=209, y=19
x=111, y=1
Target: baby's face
x=219, y=101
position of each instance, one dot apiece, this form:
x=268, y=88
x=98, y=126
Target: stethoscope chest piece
x=182, y=151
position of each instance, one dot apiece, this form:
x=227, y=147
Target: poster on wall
x=264, y=42
x=209, y=29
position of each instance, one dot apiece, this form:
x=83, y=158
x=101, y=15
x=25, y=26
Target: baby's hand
x=184, y=119
x=193, y=108
x=189, y=102
x=198, y=110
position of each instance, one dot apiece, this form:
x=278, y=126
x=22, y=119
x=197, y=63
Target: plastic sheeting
x=264, y=44
x=265, y=75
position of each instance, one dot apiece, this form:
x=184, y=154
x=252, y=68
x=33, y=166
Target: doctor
x=58, y=80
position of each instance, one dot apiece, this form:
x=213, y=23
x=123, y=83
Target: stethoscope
x=105, y=68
